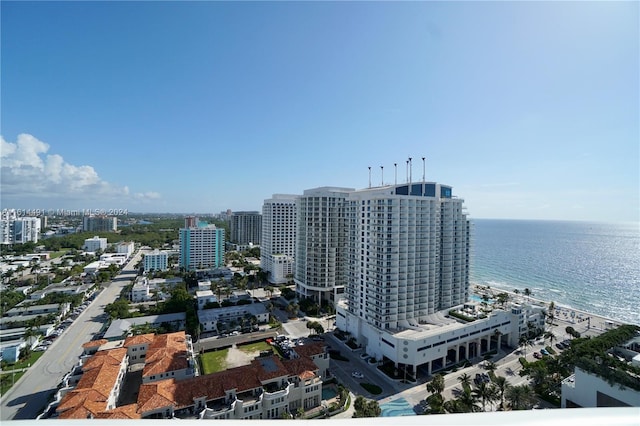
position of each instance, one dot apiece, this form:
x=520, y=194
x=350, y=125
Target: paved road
x=31, y=394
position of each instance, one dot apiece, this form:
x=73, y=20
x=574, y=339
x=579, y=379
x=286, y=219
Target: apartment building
x=15, y=229
x=94, y=244
x=201, y=247
x=99, y=224
x=278, y=244
x=321, y=250
x=246, y=228
x=156, y=260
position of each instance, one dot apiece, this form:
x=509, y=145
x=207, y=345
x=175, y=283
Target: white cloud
x=29, y=173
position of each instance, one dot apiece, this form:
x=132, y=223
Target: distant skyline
x=529, y=110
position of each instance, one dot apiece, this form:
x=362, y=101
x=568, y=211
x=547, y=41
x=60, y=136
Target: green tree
x=485, y=392
x=502, y=385
x=436, y=385
x=366, y=408
x=465, y=380
x=520, y=397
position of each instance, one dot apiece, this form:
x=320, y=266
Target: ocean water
x=593, y=267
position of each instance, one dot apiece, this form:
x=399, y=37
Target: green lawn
x=7, y=380
x=55, y=254
x=255, y=347
x=212, y=362
x=23, y=364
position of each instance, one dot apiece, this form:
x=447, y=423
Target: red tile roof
x=95, y=343
x=90, y=396
x=124, y=412
x=310, y=349
x=140, y=339
x=167, y=352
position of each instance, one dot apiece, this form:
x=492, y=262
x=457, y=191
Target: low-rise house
x=210, y=318
x=120, y=328
x=203, y=297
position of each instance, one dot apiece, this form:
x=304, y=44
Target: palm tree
x=491, y=366
x=485, y=392
x=436, y=385
x=468, y=401
x=520, y=397
x=549, y=335
x=527, y=293
x=524, y=342
x=502, y=385
x=465, y=380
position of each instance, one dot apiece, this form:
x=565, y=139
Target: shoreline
x=563, y=312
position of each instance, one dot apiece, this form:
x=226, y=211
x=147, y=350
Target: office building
x=99, y=223
x=246, y=228
x=320, y=260
x=278, y=244
x=94, y=244
x=201, y=246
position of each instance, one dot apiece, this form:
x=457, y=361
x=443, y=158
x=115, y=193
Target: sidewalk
x=349, y=412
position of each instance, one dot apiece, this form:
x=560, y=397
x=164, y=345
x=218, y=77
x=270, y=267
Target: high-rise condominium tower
x=408, y=253
x=201, y=246
x=320, y=271
x=246, y=227
x=277, y=248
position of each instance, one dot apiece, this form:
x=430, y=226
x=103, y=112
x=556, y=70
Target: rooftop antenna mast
x=382, y=178
x=395, y=172
x=369, y=176
x=423, y=170
x=407, y=171
x=410, y=171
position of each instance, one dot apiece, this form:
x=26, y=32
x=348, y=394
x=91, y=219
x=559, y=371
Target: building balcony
x=280, y=393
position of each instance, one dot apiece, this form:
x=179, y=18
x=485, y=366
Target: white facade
x=277, y=250
x=94, y=244
x=205, y=296
x=209, y=318
x=16, y=229
x=320, y=268
x=435, y=344
x=127, y=248
x=583, y=389
x=156, y=260
x=408, y=255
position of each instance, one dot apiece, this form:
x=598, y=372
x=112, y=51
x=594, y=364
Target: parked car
x=543, y=351
x=536, y=355
x=357, y=375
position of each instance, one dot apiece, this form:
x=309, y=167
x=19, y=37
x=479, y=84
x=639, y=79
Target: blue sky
x=529, y=110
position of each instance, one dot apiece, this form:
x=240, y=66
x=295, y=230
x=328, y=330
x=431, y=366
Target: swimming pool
x=477, y=298
x=397, y=407
x=328, y=393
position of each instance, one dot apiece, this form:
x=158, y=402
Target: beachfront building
x=156, y=260
x=321, y=251
x=246, y=228
x=201, y=246
x=278, y=244
x=15, y=229
x=99, y=223
x=94, y=244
